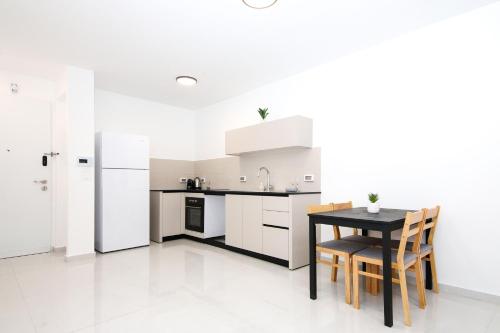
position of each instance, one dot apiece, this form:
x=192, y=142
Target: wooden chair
x=427, y=250
x=401, y=261
x=337, y=248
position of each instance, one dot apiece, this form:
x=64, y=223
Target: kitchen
x=248, y=213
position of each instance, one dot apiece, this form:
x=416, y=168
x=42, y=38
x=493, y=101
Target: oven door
x=194, y=219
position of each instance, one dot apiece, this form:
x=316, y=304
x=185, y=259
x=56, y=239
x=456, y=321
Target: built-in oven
x=195, y=211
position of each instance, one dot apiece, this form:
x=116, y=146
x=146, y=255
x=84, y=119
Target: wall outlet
x=243, y=179
x=203, y=180
x=308, y=178
x=183, y=180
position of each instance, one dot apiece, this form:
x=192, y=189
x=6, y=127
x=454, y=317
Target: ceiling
x=138, y=47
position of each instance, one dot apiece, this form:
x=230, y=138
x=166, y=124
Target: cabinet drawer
x=279, y=204
x=280, y=219
x=275, y=242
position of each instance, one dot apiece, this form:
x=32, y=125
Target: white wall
x=414, y=119
x=171, y=130
x=29, y=86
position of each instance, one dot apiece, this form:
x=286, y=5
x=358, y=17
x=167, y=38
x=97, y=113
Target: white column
x=79, y=93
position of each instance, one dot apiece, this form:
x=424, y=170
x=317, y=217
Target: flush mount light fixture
x=186, y=80
x=259, y=4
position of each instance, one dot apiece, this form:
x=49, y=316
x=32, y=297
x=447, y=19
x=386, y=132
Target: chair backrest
x=341, y=206
x=433, y=215
x=320, y=208
x=414, y=226
x=324, y=208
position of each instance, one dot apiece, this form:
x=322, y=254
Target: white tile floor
x=183, y=286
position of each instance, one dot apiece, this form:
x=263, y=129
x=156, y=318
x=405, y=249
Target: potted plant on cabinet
x=373, y=205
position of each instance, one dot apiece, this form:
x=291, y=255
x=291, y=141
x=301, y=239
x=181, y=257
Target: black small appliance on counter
x=190, y=184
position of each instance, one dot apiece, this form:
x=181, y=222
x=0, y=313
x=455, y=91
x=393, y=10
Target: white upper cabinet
x=289, y=132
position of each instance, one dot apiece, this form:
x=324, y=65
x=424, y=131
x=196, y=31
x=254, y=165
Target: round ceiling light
x=186, y=80
x=259, y=4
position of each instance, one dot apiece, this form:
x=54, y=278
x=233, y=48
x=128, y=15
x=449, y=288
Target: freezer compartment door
x=124, y=151
x=125, y=209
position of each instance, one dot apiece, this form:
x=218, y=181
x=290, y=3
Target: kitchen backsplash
x=165, y=174
x=286, y=166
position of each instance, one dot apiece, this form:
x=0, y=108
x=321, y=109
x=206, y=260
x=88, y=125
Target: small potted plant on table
x=373, y=205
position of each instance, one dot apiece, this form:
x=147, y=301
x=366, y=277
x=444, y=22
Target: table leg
x=364, y=232
x=312, y=259
x=428, y=271
x=387, y=273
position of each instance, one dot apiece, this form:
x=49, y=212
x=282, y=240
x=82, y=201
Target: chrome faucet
x=268, y=187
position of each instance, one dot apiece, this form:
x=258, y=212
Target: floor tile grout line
x=110, y=319
x=24, y=299
x=493, y=316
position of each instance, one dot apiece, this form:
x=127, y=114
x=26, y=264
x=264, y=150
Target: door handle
x=43, y=181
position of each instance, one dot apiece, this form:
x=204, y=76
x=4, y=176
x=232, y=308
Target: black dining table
x=386, y=221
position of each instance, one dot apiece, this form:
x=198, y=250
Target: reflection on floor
x=185, y=286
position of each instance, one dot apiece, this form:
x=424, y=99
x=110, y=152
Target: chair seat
x=371, y=241
x=424, y=248
x=342, y=246
x=376, y=253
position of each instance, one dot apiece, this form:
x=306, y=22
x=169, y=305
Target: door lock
x=44, y=188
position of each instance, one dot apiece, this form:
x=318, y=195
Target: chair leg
x=404, y=295
x=347, y=279
x=435, y=286
x=375, y=282
x=368, y=284
x=420, y=284
x=335, y=260
x=355, y=282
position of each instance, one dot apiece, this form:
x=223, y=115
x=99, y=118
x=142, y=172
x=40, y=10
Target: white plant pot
x=373, y=207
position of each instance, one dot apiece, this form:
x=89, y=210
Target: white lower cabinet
x=275, y=242
x=252, y=223
x=165, y=215
x=234, y=220
x=171, y=215
x=279, y=219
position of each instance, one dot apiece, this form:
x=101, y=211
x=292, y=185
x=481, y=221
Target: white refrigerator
x=122, y=191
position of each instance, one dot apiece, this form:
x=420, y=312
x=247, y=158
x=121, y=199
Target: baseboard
x=212, y=242
x=58, y=249
x=472, y=294
x=80, y=257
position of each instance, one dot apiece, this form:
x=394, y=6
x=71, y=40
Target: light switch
x=84, y=161
x=308, y=178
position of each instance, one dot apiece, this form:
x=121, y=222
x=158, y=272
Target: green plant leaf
x=373, y=197
x=263, y=112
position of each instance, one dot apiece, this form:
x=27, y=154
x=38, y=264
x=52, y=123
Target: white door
x=25, y=184
x=125, y=209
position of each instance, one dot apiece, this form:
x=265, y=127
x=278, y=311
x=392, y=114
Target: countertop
x=239, y=192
